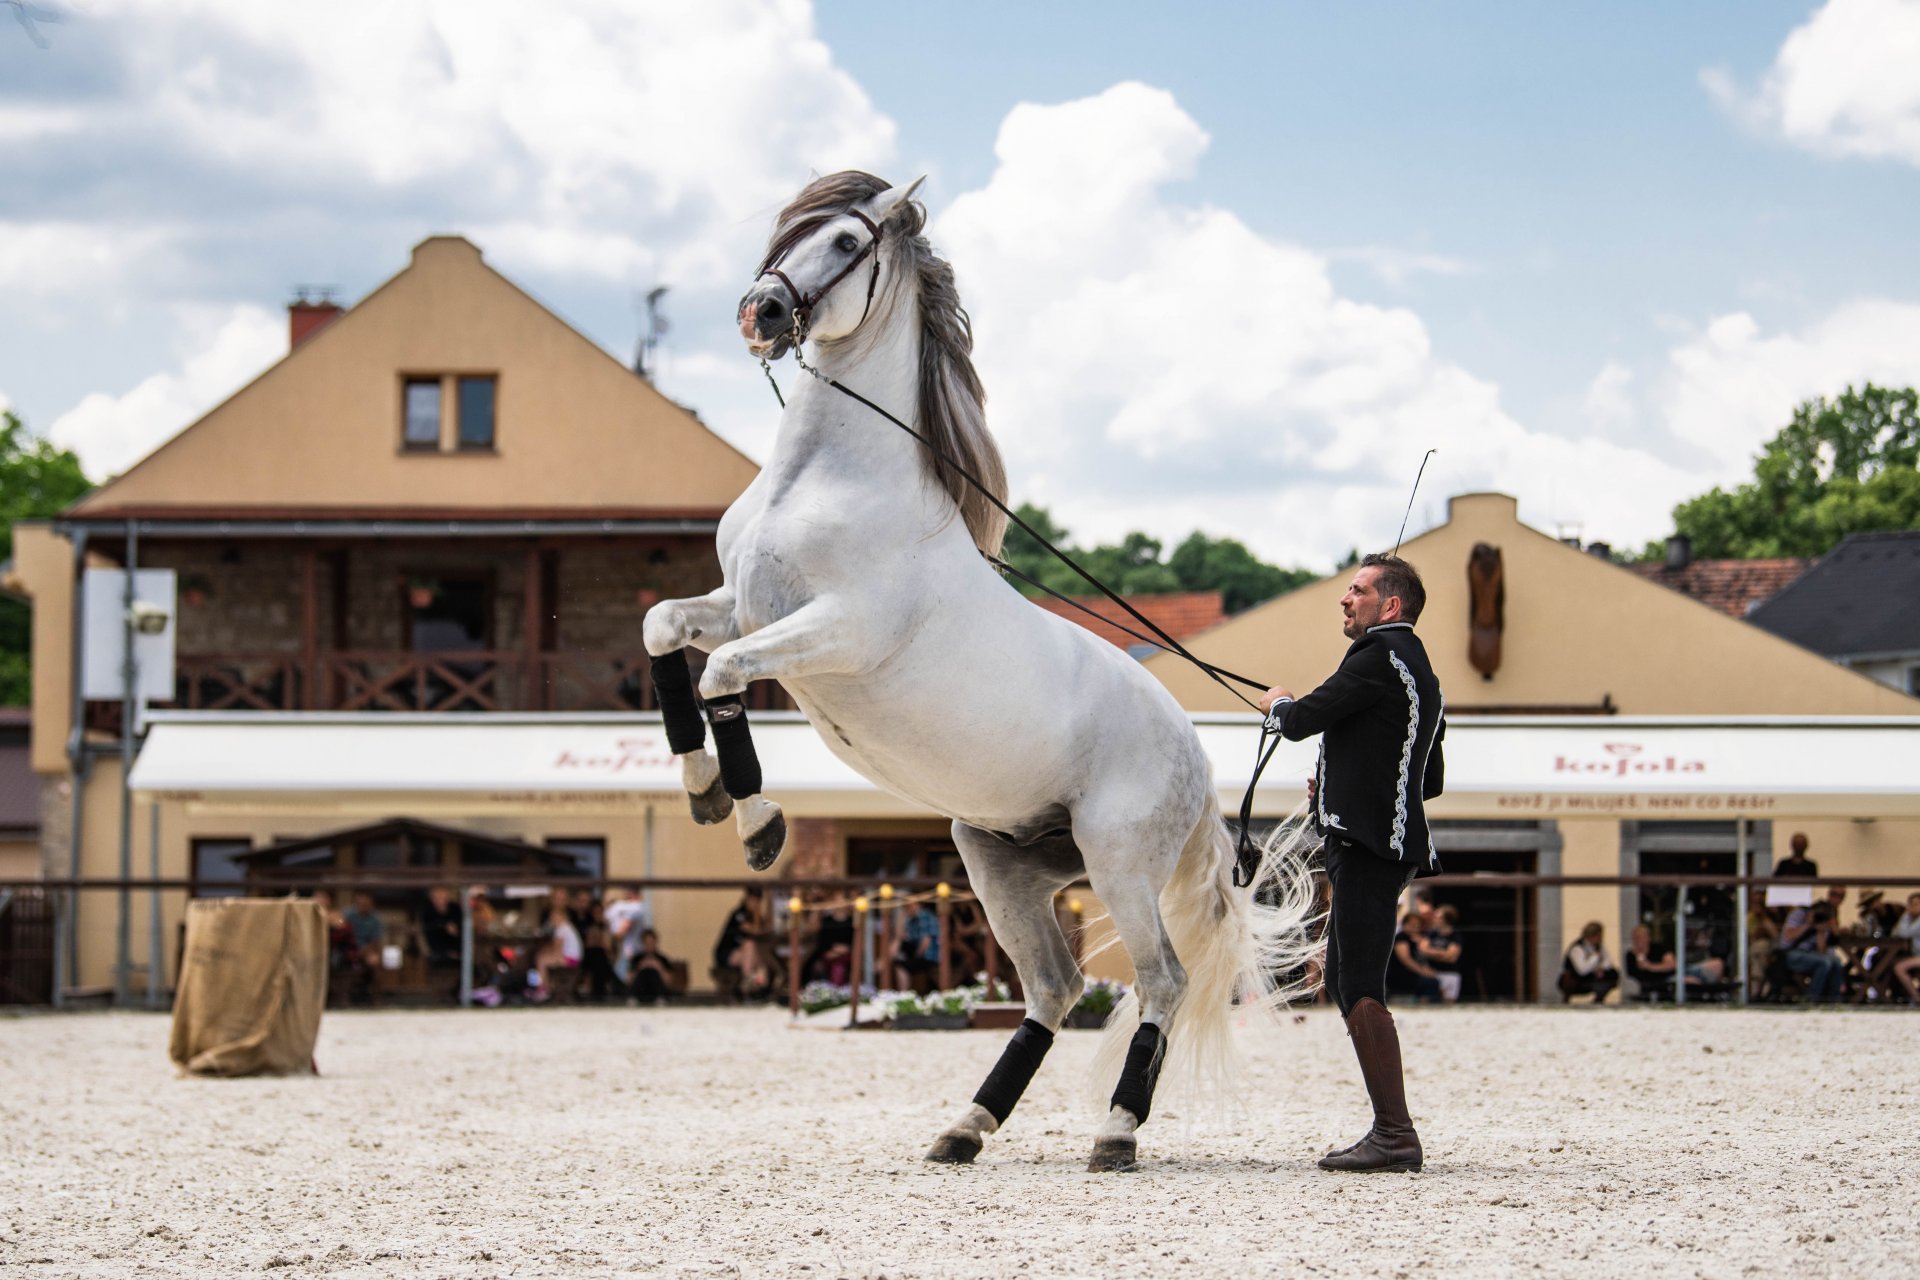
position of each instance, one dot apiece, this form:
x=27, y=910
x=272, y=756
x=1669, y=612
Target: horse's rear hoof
x=712, y=805
x=1113, y=1155
x=764, y=845
x=954, y=1148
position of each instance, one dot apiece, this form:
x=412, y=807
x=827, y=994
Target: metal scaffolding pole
x=129, y=679
x=1741, y=942
x=1680, y=947
x=156, y=956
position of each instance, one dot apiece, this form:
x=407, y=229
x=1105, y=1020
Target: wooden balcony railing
x=373, y=680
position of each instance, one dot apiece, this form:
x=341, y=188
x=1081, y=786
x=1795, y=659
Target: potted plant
x=1096, y=1003
x=941, y=1011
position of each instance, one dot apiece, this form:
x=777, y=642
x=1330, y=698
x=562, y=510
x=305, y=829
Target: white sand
x=720, y=1143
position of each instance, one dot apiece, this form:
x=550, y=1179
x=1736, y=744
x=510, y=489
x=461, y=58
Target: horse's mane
x=951, y=409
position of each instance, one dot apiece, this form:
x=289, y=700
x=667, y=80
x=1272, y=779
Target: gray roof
x=1860, y=599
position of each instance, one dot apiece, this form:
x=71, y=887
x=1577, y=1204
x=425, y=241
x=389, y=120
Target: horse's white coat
x=850, y=579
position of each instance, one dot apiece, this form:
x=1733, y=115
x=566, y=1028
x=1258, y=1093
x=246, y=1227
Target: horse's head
x=825, y=263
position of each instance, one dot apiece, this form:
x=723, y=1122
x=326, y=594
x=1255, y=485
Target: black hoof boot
x=954, y=1148
x=764, y=846
x=1114, y=1155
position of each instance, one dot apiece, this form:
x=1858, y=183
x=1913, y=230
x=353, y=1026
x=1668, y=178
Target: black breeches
x=1366, y=900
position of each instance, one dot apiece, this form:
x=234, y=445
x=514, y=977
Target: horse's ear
x=892, y=198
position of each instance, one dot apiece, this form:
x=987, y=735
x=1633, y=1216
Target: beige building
x=410, y=563
x=1582, y=641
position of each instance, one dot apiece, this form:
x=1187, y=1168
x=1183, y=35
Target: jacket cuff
x=1276, y=713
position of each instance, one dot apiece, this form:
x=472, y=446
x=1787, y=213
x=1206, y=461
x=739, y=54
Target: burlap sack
x=252, y=984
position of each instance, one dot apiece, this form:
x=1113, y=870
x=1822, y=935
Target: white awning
x=1508, y=767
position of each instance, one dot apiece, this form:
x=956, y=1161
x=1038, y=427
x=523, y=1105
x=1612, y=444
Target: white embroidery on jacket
x=1399, y=840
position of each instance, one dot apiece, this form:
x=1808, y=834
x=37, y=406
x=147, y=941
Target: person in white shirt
x=561, y=950
x=627, y=918
x=1587, y=968
x=1908, y=970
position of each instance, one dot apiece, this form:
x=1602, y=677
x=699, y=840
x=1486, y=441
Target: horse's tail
x=1250, y=950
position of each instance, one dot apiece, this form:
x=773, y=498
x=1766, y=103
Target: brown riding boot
x=1391, y=1144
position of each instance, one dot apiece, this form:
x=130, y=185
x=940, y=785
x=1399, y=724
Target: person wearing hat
x=1876, y=913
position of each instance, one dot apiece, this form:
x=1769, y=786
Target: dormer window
x=448, y=413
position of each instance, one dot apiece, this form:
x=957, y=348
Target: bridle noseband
x=803, y=304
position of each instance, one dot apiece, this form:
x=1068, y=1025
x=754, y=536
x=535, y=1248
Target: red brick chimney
x=310, y=311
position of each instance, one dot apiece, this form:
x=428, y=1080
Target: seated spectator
x=596, y=961
x=738, y=949
x=1651, y=964
x=1587, y=969
x=1907, y=928
x=918, y=953
x=653, y=978
x=440, y=928
x=1763, y=936
x=1407, y=973
x=628, y=917
x=1441, y=950
x=1805, y=942
x=831, y=960
x=369, y=935
x=562, y=950
x=1877, y=915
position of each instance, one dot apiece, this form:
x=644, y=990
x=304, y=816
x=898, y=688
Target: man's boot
x=1391, y=1144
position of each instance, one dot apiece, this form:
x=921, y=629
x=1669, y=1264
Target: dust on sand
x=700, y=1142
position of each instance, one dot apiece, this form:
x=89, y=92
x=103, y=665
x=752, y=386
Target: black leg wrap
x=1014, y=1072
x=673, y=687
x=733, y=743
x=1142, y=1072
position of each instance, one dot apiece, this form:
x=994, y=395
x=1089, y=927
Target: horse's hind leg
x=1129, y=885
x=1016, y=885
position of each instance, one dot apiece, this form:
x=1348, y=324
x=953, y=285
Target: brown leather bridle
x=803, y=304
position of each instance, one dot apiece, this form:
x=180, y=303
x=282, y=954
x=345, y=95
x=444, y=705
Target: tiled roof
x=1178, y=613
x=1733, y=587
x=1862, y=597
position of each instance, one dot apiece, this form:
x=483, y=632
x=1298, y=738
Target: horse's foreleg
x=804, y=642
x=707, y=622
x=1016, y=886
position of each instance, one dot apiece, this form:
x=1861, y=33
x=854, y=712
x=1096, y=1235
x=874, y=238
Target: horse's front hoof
x=712, y=805
x=765, y=845
x=1113, y=1155
x=954, y=1148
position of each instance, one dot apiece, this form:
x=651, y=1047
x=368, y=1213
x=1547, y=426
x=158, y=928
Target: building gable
x=320, y=431
x=1580, y=632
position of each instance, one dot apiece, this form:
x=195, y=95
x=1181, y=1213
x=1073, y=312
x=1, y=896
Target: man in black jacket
x=1381, y=718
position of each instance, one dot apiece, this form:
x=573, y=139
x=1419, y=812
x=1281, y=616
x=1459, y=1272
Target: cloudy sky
x=1233, y=267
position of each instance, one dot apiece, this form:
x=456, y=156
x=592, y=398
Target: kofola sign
x=1626, y=760
x=627, y=755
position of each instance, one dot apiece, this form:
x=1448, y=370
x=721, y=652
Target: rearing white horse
x=854, y=577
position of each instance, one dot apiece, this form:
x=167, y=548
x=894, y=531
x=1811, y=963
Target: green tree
x=1223, y=564
x=36, y=480
x=1845, y=465
x=1133, y=566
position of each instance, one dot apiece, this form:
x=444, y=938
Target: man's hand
x=1313, y=786
x=1272, y=696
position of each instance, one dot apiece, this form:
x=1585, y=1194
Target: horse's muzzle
x=766, y=323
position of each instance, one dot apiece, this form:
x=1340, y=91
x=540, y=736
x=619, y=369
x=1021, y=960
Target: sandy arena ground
x=722, y=1143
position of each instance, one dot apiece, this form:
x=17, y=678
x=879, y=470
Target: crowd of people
x=1797, y=949
x=573, y=944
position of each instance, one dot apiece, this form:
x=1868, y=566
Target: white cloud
x=1609, y=404
x=1728, y=389
x=221, y=354
x=593, y=136
x=1397, y=267
x=1847, y=82
x=1151, y=363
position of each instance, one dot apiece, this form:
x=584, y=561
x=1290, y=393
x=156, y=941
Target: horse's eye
x=846, y=243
